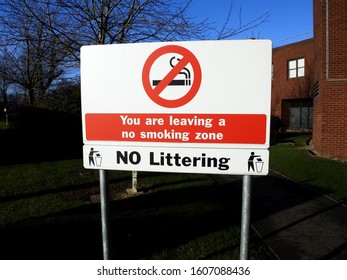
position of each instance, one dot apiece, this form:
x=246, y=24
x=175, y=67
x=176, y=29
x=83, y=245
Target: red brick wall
x=284, y=88
x=330, y=129
x=319, y=38
x=337, y=39
x=330, y=106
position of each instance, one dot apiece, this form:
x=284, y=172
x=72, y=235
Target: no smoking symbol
x=155, y=88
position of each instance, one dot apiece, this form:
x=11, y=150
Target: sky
x=288, y=18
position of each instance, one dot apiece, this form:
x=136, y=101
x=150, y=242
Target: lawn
x=4, y=125
x=293, y=158
x=50, y=210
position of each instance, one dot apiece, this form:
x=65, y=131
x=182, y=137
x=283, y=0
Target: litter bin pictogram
x=98, y=160
x=259, y=165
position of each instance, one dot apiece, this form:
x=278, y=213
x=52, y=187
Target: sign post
x=191, y=107
x=105, y=213
x=245, y=216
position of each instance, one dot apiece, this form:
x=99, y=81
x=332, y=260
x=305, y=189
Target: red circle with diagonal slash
x=154, y=92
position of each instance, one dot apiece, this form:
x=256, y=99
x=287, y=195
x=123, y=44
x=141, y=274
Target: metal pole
x=134, y=181
x=245, y=216
x=105, y=214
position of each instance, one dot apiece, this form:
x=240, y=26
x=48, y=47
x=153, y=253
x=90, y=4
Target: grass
x=4, y=126
x=46, y=211
x=293, y=159
x=34, y=190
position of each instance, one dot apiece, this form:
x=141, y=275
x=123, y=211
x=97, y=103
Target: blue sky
x=288, y=18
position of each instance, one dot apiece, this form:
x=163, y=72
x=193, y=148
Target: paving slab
x=297, y=222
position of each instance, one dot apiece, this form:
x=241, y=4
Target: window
x=297, y=113
x=296, y=68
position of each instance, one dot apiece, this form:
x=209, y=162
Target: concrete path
x=294, y=220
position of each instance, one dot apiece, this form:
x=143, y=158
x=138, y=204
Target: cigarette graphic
x=173, y=82
x=179, y=82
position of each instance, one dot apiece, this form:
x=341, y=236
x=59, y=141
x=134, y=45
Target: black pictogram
x=178, y=82
x=94, y=158
x=259, y=163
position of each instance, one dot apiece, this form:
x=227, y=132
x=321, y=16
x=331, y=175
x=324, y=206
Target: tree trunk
x=31, y=96
x=134, y=181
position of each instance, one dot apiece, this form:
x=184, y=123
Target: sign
x=211, y=96
x=155, y=88
x=188, y=160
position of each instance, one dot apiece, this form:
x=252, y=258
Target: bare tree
x=229, y=30
x=91, y=22
x=4, y=79
x=38, y=36
x=32, y=55
x=84, y=22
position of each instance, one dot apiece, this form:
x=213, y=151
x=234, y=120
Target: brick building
x=309, y=89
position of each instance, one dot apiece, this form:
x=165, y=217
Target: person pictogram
x=251, y=161
x=91, y=156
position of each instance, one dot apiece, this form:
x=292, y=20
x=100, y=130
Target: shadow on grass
x=291, y=137
x=140, y=227
x=150, y=225
x=85, y=189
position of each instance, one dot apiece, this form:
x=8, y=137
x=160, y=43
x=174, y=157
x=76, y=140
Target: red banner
x=177, y=128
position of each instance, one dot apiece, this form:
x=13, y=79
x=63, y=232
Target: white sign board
x=186, y=160
x=211, y=96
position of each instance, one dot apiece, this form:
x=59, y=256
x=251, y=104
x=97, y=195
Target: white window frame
x=296, y=68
